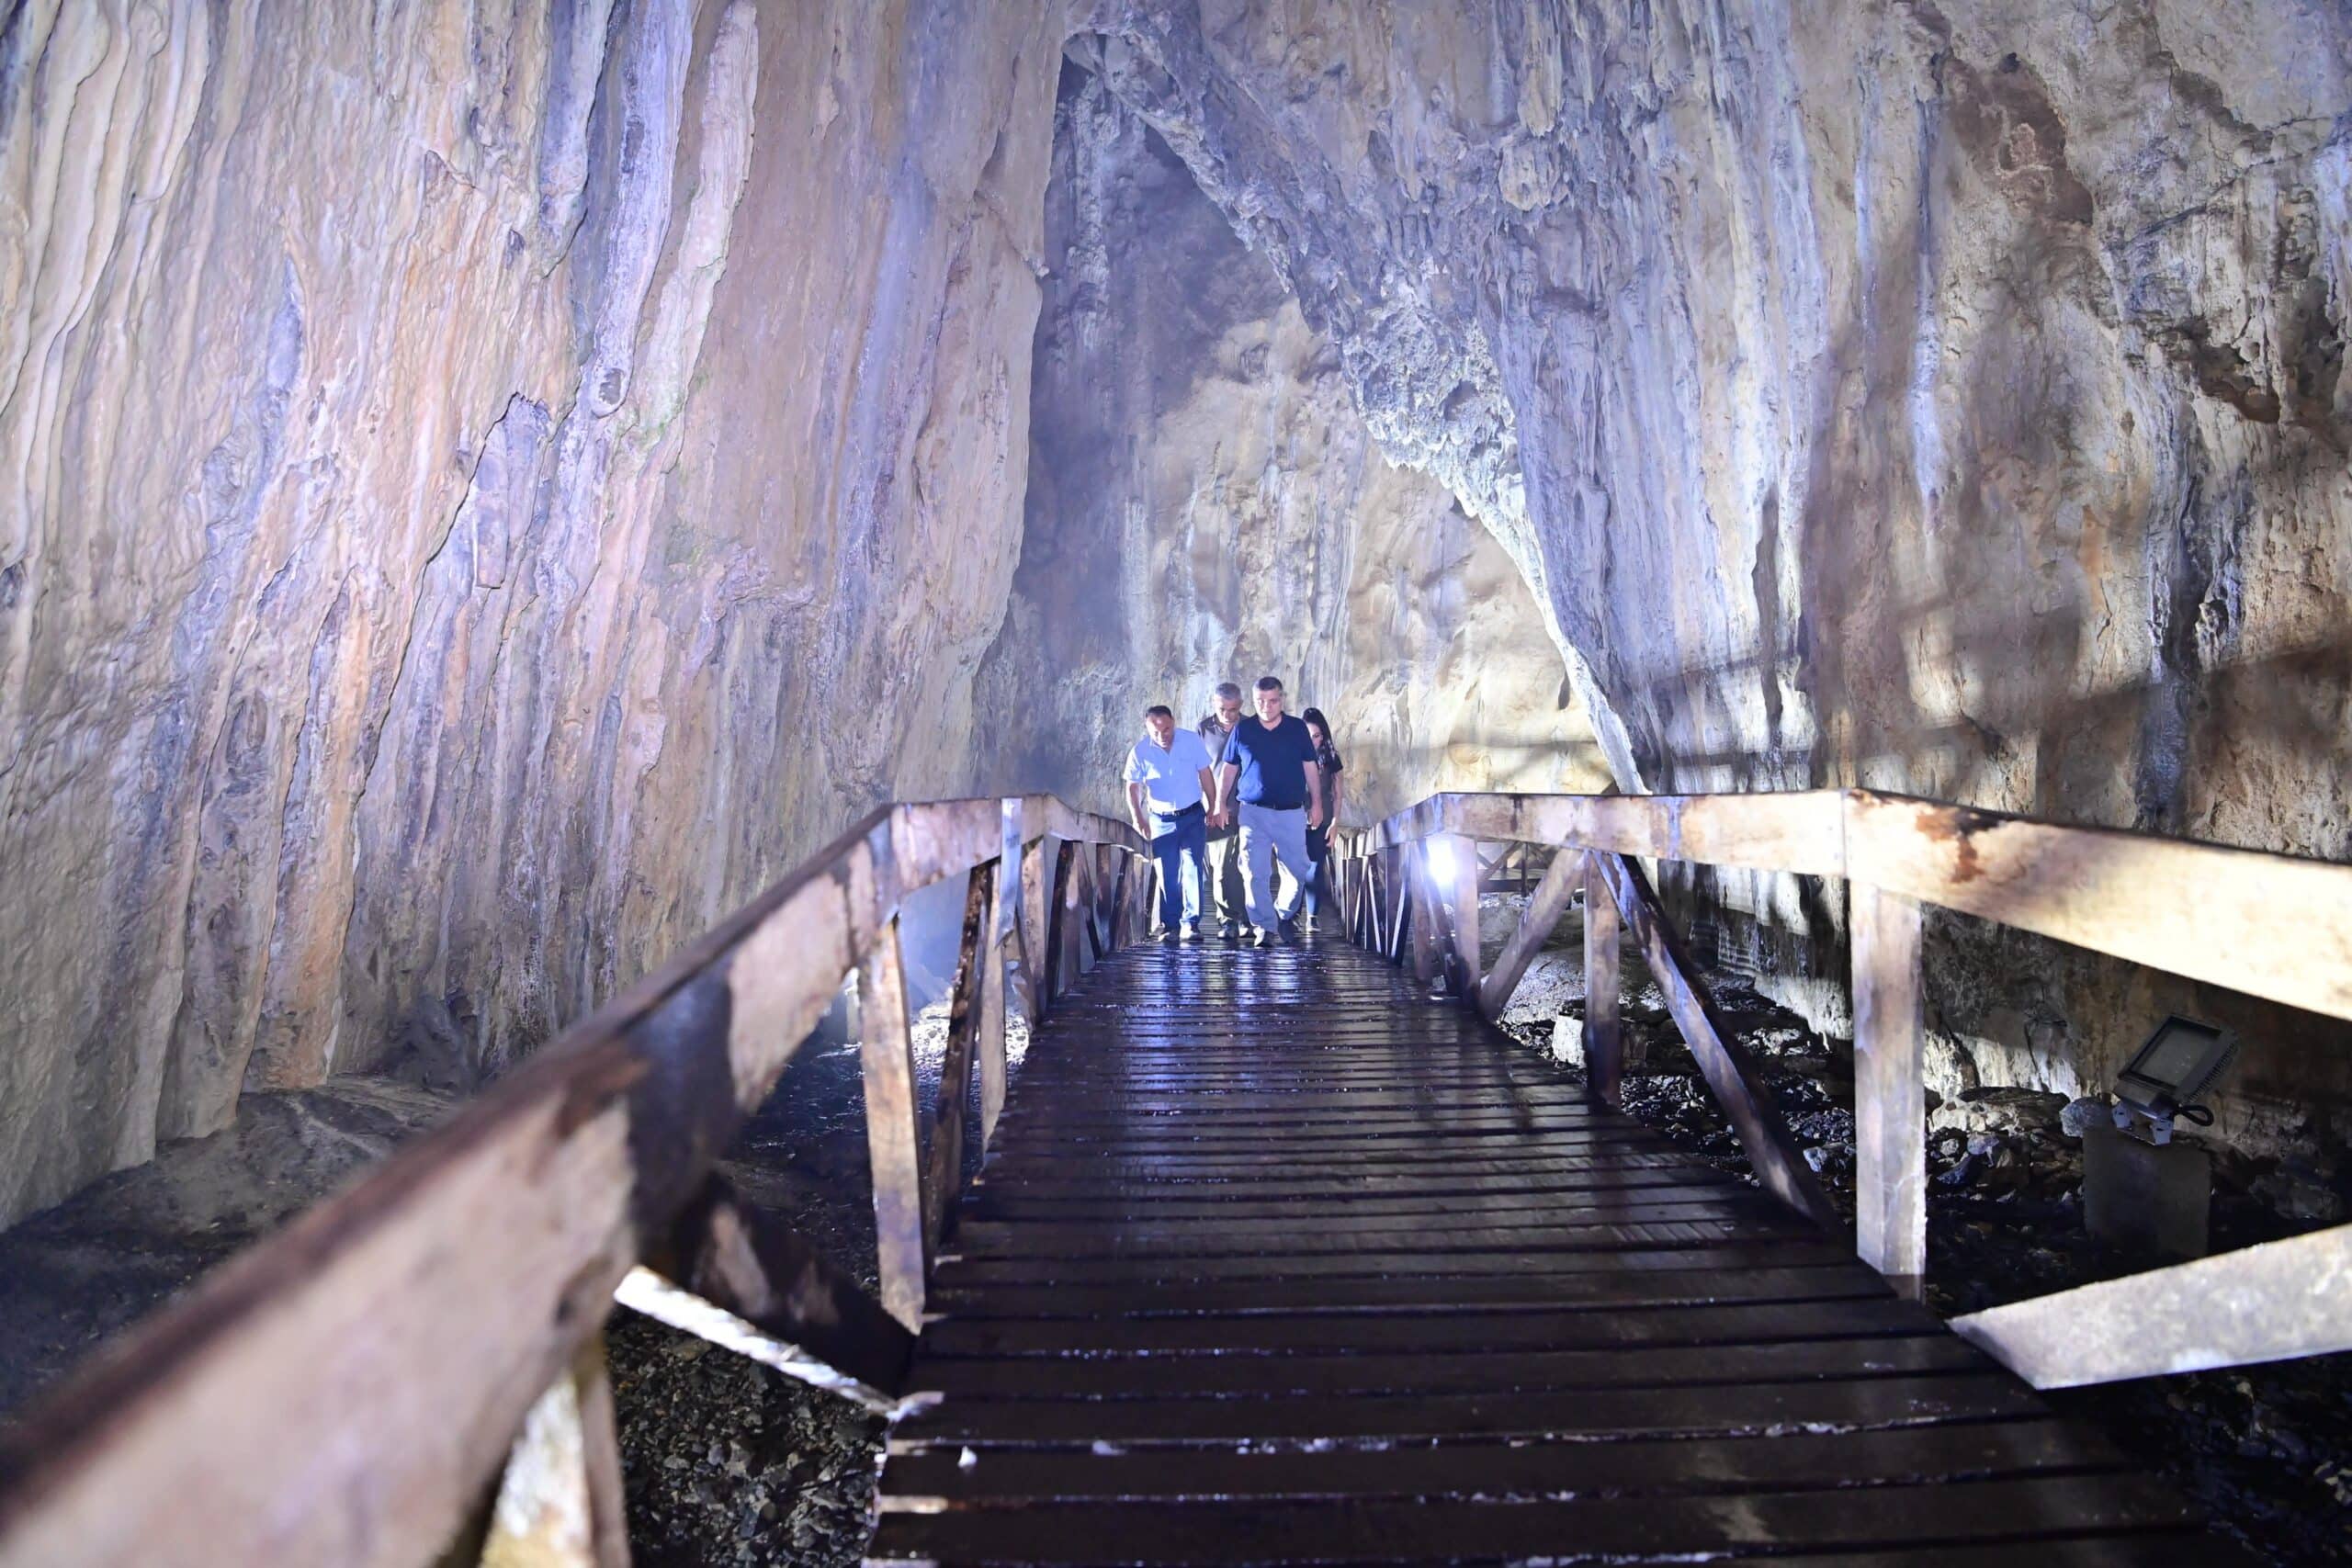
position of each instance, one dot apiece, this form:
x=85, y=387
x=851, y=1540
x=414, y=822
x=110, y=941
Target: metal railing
x=2274, y=926
x=350, y=1390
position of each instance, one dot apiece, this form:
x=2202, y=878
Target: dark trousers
x=1179, y=846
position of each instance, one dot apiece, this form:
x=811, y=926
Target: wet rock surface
x=1206, y=504
x=496, y=487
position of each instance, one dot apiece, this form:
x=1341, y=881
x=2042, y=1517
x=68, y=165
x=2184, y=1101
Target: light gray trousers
x=1267, y=837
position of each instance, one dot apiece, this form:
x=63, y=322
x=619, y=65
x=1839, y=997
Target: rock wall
x=488, y=485
x=1949, y=398
x=1206, y=504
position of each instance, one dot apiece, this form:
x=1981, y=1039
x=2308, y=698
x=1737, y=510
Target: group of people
x=1251, y=792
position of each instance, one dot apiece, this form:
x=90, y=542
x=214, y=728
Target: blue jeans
x=1178, y=846
x=1269, y=836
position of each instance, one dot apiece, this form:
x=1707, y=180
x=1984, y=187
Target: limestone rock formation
x=1947, y=398
x=488, y=487
x=1206, y=504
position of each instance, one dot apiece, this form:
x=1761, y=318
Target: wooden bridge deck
x=1274, y=1261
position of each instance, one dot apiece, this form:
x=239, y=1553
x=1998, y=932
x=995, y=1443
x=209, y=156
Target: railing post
x=1890, y=1090
x=1424, y=922
x=1397, y=885
x=1142, y=888
x=1036, y=943
x=1004, y=920
x=1468, y=944
x=1061, y=938
x=893, y=1131
x=559, y=1504
x=947, y=1170
x=1604, y=1039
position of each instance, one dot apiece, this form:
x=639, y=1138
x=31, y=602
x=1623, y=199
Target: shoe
x=1289, y=930
x=1263, y=938
x=1168, y=935
x=1193, y=931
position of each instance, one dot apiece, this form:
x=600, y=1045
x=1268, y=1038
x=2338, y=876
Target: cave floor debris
x=1277, y=1259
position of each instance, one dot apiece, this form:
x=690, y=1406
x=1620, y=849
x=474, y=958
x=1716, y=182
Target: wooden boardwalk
x=1274, y=1261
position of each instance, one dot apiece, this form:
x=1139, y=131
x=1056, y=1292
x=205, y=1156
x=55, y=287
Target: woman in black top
x=1319, y=840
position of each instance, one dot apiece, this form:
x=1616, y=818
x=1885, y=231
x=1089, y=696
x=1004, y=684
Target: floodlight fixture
x=2161, y=1084
x=1439, y=853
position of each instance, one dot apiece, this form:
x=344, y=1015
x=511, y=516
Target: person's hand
x=1315, y=814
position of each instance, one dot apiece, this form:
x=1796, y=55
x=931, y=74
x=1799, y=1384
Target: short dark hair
x=1160, y=710
x=1269, y=684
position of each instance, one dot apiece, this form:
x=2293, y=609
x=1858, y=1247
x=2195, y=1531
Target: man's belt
x=1194, y=809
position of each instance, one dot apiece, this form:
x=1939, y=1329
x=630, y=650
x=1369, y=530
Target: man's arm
x=1134, y=808
x=1225, y=777
x=1315, y=813
x=1208, y=790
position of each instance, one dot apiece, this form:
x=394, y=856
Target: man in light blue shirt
x=1168, y=785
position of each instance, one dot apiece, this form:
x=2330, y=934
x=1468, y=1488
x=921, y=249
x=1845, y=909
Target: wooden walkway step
x=1276, y=1261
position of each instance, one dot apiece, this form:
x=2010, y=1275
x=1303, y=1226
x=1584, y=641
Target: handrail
x=2275, y=926
x=344, y=1391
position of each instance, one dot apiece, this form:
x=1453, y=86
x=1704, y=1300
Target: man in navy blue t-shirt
x=1270, y=769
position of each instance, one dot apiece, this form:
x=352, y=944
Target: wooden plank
x=945, y=1182
x=1874, y=1519
x=893, y=1128
x=1804, y=831
x=1889, y=1089
x=1468, y=948
x=1142, y=1241
x=1750, y=1105
x=776, y=1284
x=980, y=1235
x=227, y=1415
x=1550, y=901
x=2270, y=925
x=1584, y=1414
x=2271, y=1303
x=1604, y=1028
x=1448, y=1369
x=1655, y=1467
x=1619, y=1247
x=559, y=1504
x=1700, y=1281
